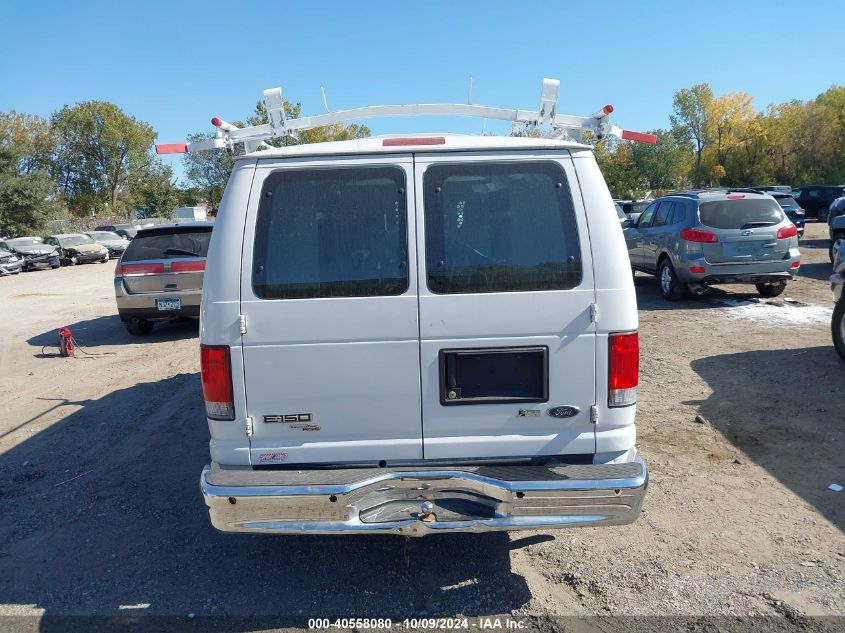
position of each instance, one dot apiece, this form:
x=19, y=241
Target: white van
x=420, y=334
x=190, y=214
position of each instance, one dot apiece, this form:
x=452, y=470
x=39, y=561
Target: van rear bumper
x=390, y=501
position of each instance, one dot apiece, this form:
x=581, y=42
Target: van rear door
x=508, y=349
x=329, y=300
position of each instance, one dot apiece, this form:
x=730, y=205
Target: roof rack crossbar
x=563, y=125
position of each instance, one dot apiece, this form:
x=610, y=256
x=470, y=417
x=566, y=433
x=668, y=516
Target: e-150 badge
x=288, y=418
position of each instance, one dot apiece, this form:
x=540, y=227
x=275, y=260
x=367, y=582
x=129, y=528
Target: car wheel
x=671, y=287
x=771, y=290
x=837, y=328
x=822, y=214
x=105, y=258
x=141, y=327
x=835, y=244
x=72, y=261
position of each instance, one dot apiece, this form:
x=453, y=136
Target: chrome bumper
x=391, y=501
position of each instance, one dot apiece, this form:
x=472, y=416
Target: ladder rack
x=562, y=125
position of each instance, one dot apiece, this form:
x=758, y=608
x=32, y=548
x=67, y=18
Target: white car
x=418, y=335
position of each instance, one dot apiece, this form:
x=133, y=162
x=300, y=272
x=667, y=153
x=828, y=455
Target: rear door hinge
x=249, y=426
x=242, y=323
x=594, y=313
x=594, y=414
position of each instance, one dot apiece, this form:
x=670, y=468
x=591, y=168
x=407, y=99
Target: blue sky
x=175, y=64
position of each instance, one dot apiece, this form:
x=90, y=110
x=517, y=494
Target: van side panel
x=615, y=297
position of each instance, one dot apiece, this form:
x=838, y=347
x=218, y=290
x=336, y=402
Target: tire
x=139, y=328
x=771, y=290
x=72, y=261
x=105, y=259
x=822, y=214
x=835, y=243
x=671, y=288
x=837, y=328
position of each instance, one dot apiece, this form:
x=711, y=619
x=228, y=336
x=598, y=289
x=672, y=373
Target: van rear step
x=424, y=500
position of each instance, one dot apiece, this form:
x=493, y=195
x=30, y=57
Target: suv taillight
x=787, y=232
x=623, y=374
x=699, y=235
x=216, y=368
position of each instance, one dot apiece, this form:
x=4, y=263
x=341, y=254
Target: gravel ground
x=101, y=514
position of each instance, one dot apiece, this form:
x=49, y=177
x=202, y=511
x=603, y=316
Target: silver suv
x=693, y=239
x=159, y=276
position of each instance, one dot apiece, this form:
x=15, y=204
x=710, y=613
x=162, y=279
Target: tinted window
x=168, y=245
x=331, y=233
x=499, y=227
x=742, y=213
x=663, y=211
x=679, y=213
x=647, y=216
x=786, y=201
x=75, y=240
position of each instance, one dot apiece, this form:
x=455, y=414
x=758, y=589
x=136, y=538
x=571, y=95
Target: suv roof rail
x=564, y=125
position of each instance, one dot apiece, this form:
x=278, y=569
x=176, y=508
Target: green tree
x=31, y=137
x=153, y=190
x=98, y=149
x=663, y=166
x=691, y=120
x=208, y=171
x=27, y=200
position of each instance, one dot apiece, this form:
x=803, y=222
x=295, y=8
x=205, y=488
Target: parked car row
x=64, y=249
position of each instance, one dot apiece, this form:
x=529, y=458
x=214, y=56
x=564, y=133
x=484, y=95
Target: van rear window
x=331, y=233
x=168, y=245
x=500, y=227
x=740, y=214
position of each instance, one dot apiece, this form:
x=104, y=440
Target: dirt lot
x=101, y=512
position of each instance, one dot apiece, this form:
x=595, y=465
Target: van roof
x=450, y=143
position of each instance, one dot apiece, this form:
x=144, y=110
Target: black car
x=126, y=231
x=837, y=208
x=816, y=199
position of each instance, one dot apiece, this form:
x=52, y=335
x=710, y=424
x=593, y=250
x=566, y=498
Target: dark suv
x=816, y=199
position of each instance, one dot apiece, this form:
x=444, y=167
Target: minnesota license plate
x=168, y=304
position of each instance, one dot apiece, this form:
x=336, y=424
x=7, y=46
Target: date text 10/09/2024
x=482, y=623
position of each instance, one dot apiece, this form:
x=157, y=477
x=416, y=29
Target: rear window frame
x=270, y=292
x=128, y=256
x=571, y=218
x=739, y=201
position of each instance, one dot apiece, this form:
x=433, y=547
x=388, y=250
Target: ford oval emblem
x=564, y=412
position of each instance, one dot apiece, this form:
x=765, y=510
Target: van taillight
x=623, y=369
x=216, y=369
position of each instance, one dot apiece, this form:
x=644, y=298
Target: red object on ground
x=66, y=342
